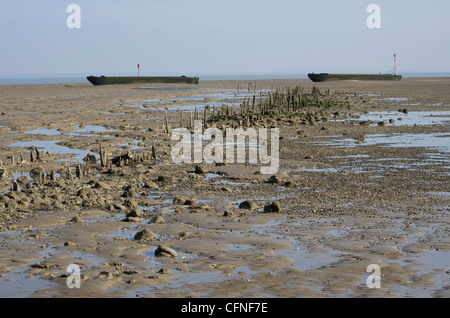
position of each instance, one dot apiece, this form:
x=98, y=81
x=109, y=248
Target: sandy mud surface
x=363, y=181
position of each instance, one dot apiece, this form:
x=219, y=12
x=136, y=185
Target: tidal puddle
x=43, y=131
x=53, y=147
x=438, y=141
x=89, y=130
x=418, y=118
x=20, y=284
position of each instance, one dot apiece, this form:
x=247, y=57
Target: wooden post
x=166, y=120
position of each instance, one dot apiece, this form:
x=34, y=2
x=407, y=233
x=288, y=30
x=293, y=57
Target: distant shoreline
x=62, y=79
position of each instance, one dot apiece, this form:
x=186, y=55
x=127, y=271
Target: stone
x=165, y=251
x=274, y=179
x=158, y=219
x=76, y=219
x=273, y=207
x=249, y=205
x=199, y=169
x=145, y=235
x=136, y=213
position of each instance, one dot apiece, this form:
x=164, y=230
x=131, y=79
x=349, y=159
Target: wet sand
x=365, y=184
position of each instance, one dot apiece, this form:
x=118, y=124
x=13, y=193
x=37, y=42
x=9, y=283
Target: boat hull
x=325, y=77
x=109, y=80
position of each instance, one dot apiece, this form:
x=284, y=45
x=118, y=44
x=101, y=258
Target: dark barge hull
x=107, y=80
x=324, y=77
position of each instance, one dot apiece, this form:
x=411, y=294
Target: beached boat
x=324, y=77
x=108, y=80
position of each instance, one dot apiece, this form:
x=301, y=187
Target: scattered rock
x=101, y=185
x=37, y=174
x=199, y=169
x=165, y=251
x=44, y=265
x=228, y=214
x=157, y=219
x=180, y=200
x=132, y=219
x=273, y=207
x=70, y=244
x=145, y=235
x=274, y=179
x=76, y=219
x=164, y=271
x=135, y=213
x=130, y=204
x=249, y=205
x=90, y=158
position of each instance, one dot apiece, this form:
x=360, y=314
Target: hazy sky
x=195, y=37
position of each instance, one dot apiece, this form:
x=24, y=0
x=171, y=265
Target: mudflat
x=87, y=178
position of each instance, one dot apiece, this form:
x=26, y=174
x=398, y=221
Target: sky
x=195, y=37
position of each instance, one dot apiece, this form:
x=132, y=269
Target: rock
x=135, y=213
x=37, y=174
x=129, y=192
x=158, y=219
x=145, y=235
x=130, y=204
x=133, y=219
x=23, y=180
x=76, y=219
x=125, y=158
x=164, y=179
x=90, y=158
x=180, y=200
x=183, y=200
x=70, y=244
x=101, y=185
x=228, y=214
x=44, y=265
x=249, y=205
x=164, y=271
x=274, y=179
x=199, y=169
x=273, y=207
x=165, y=251
x=190, y=202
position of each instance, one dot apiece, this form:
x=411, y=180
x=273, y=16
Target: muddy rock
x=199, y=169
x=248, y=205
x=165, y=251
x=145, y=235
x=37, y=174
x=101, y=185
x=273, y=207
x=274, y=179
x=76, y=219
x=135, y=213
x=90, y=158
x=158, y=219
